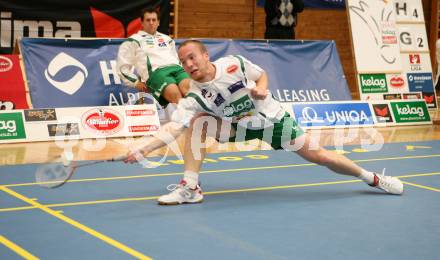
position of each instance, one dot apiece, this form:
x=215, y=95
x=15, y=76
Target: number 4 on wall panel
x=409, y=11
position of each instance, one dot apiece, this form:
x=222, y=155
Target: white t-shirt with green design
x=228, y=96
x=142, y=53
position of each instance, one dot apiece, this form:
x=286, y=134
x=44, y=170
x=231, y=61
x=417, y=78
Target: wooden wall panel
x=216, y=19
x=332, y=25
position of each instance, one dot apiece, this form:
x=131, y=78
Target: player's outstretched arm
x=168, y=133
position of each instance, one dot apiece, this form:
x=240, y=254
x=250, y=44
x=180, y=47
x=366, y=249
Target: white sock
x=367, y=176
x=191, y=178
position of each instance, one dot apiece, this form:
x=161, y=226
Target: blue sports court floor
x=258, y=205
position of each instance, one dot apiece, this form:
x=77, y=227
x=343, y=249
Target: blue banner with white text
x=333, y=114
x=69, y=73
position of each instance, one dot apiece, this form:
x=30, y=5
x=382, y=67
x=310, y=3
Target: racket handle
x=118, y=158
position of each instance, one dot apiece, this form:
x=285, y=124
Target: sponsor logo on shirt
x=236, y=86
x=162, y=42
x=231, y=69
x=219, y=100
x=238, y=107
x=207, y=93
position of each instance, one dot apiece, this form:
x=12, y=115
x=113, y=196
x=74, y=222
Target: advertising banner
x=67, y=73
x=333, y=114
x=73, y=73
x=397, y=62
x=400, y=112
x=360, y=113
x=12, y=88
x=11, y=126
x=373, y=28
x=73, y=19
x=299, y=71
x=410, y=112
x=78, y=123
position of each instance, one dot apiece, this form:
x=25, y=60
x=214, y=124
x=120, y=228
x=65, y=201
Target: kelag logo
x=373, y=83
x=11, y=126
x=60, y=62
x=239, y=106
x=341, y=114
x=409, y=112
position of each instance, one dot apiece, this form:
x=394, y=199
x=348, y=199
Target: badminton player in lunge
x=234, y=91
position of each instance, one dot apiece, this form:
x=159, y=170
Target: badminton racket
x=56, y=174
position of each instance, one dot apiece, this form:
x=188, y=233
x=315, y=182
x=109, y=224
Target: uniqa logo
x=311, y=116
x=243, y=104
x=61, y=61
x=407, y=110
x=9, y=126
x=373, y=82
x=346, y=116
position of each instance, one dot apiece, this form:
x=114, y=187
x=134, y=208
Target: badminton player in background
x=148, y=61
x=233, y=92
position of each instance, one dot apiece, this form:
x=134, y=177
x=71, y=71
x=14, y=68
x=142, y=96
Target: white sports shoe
x=180, y=194
x=387, y=183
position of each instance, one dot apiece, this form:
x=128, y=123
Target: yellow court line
x=418, y=175
x=95, y=202
x=398, y=158
x=280, y=187
x=81, y=203
x=17, y=208
x=219, y=171
x=162, y=174
x=204, y=193
x=230, y=191
x=421, y=186
x=17, y=249
x=76, y=224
